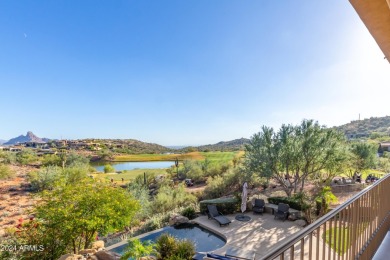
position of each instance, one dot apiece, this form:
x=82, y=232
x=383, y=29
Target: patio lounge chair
x=259, y=206
x=282, y=212
x=214, y=214
x=220, y=257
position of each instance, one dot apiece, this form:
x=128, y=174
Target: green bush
x=155, y=222
x=292, y=202
x=169, y=198
x=7, y=157
x=26, y=157
x=51, y=160
x=45, y=178
x=141, y=193
x=216, y=187
x=72, y=159
x=108, y=168
x=189, y=212
x=168, y=247
x=6, y=172
x=185, y=249
x=225, y=184
x=136, y=249
x=224, y=205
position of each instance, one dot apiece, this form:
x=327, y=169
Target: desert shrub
x=7, y=157
x=192, y=170
x=224, y=205
x=225, y=184
x=5, y=242
x=214, y=170
x=75, y=173
x=51, y=160
x=185, y=249
x=6, y=172
x=216, y=187
x=73, y=158
x=45, y=178
x=169, y=198
x=137, y=249
x=156, y=221
x=168, y=247
x=384, y=164
x=189, y=212
x=195, y=174
x=108, y=168
x=26, y=156
x=141, y=193
x=150, y=178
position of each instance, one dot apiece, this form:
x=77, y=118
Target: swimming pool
x=205, y=240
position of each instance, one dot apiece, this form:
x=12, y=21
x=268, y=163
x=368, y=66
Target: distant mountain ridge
x=367, y=126
x=234, y=145
x=29, y=137
x=130, y=146
x=363, y=127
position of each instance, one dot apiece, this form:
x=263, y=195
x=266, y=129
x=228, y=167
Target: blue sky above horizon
x=184, y=72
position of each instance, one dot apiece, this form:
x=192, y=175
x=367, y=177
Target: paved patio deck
x=257, y=235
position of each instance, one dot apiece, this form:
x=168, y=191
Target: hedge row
x=290, y=201
x=224, y=205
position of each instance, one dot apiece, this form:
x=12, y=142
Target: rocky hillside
x=29, y=137
x=234, y=145
x=130, y=146
x=367, y=126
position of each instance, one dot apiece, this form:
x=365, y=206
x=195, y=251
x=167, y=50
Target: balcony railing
x=354, y=230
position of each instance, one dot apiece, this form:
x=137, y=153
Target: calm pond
x=121, y=166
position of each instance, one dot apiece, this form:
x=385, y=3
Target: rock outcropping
x=97, y=252
x=176, y=219
x=29, y=137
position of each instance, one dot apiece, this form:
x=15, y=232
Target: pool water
x=205, y=240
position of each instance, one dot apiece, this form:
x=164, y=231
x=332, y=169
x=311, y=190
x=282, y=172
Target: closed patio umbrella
x=244, y=197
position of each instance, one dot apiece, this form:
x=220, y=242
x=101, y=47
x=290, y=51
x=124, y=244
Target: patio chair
x=259, y=206
x=214, y=214
x=210, y=256
x=282, y=212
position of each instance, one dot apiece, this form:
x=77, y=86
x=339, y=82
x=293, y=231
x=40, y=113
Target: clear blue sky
x=184, y=72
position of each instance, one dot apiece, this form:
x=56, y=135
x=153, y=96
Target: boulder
x=87, y=251
x=107, y=255
x=176, y=219
x=148, y=258
x=97, y=245
x=71, y=257
x=300, y=222
x=92, y=257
